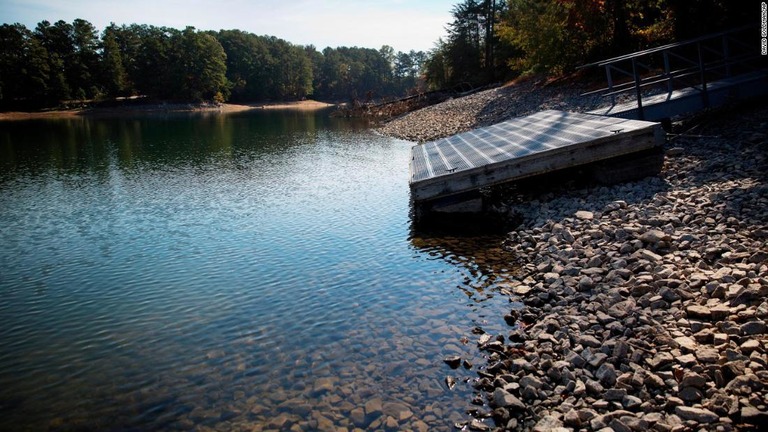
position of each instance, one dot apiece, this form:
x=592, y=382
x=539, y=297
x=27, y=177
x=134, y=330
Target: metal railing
x=688, y=64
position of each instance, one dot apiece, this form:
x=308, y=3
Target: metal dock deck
x=523, y=147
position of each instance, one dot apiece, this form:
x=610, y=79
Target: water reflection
x=87, y=145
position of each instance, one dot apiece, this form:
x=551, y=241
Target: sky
x=401, y=24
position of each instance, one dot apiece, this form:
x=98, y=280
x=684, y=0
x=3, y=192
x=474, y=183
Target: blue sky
x=402, y=24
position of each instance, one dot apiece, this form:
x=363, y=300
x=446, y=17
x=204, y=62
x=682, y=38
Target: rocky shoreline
x=488, y=107
x=646, y=303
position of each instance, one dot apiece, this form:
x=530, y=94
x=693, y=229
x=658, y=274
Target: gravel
x=488, y=107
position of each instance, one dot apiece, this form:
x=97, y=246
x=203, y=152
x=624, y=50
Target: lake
x=251, y=271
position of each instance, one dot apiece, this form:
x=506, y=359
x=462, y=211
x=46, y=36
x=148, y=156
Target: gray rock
x=699, y=415
x=753, y=328
x=586, y=414
x=615, y=394
x=686, y=343
x=504, y=399
x=572, y=419
x=548, y=424
x=373, y=407
x=631, y=402
x=620, y=350
x=586, y=283
x=646, y=255
x=450, y=382
x=747, y=381
x=477, y=425
x=758, y=257
x=590, y=341
x=692, y=379
x=690, y=394
x=653, y=380
x=707, y=355
x=420, y=426
x=753, y=416
x=749, y=346
x=698, y=311
x=397, y=410
x=606, y=374
x=531, y=381
x=635, y=423
x=453, y=361
x=597, y=359
x=660, y=360
x=357, y=416
x=669, y=295
x=621, y=309
x=529, y=393
x=654, y=237
x=580, y=388
x=575, y=359
x=592, y=386
x=619, y=426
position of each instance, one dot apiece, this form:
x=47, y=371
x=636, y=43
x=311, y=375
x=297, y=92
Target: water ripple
x=223, y=273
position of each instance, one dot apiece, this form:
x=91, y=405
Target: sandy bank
x=305, y=105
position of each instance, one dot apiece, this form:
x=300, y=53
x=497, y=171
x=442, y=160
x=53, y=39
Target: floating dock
x=523, y=147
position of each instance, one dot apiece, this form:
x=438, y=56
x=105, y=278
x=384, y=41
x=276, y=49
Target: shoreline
x=644, y=304
x=226, y=108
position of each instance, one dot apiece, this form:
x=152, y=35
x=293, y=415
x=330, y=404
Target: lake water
x=229, y=272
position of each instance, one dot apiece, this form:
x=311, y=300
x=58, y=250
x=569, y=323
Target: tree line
x=492, y=40
x=487, y=41
x=74, y=61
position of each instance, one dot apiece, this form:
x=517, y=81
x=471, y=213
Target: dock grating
x=544, y=136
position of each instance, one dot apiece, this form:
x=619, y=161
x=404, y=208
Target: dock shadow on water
x=247, y=272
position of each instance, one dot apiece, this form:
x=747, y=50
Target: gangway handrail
x=666, y=47
x=694, y=56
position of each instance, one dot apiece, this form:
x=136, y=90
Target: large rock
x=373, y=407
x=357, y=416
x=654, y=237
x=753, y=416
x=686, y=343
x=606, y=374
x=549, y=424
x=753, y=328
x=504, y=399
x=698, y=311
x=692, y=379
x=699, y=415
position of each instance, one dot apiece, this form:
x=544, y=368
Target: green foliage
x=115, y=77
x=469, y=55
x=436, y=67
x=538, y=29
x=487, y=41
x=197, y=66
x=62, y=61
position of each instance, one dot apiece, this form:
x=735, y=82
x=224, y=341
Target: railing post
x=638, y=93
x=702, y=73
x=667, y=72
x=727, y=56
x=610, y=83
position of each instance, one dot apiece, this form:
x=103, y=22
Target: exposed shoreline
x=644, y=303
x=305, y=105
